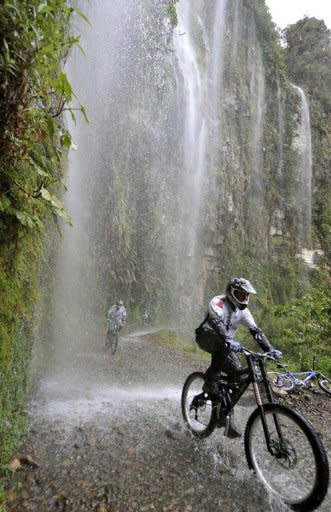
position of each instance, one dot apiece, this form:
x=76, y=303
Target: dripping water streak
x=194, y=141
x=304, y=147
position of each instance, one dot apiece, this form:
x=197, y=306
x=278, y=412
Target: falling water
x=216, y=93
x=153, y=168
x=281, y=128
x=277, y=227
x=236, y=29
x=304, y=179
x=199, y=54
x=257, y=113
x=171, y=144
x=75, y=294
x=191, y=94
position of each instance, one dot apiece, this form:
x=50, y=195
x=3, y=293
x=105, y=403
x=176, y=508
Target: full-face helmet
x=238, y=291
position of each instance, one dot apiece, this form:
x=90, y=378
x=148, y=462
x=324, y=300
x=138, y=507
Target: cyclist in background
x=217, y=332
x=145, y=318
x=117, y=312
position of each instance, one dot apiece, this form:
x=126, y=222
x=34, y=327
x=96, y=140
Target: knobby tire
x=114, y=343
x=301, y=460
x=284, y=383
x=325, y=384
x=201, y=419
x=111, y=341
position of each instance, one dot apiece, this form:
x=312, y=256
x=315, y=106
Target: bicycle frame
x=259, y=401
x=113, y=325
x=295, y=376
x=311, y=375
x=253, y=378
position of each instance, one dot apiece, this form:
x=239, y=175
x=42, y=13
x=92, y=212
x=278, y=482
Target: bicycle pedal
x=230, y=431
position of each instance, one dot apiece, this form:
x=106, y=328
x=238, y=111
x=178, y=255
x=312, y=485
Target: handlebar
x=263, y=356
x=255, y=355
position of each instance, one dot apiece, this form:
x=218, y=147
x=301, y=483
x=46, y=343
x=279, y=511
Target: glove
x=276, y=354
x=234, y=345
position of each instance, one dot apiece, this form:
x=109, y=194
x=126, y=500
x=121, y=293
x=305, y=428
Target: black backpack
x=200, y=329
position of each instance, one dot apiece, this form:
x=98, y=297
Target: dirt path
x=108, y=435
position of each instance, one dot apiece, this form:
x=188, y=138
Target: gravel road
x=107, y=435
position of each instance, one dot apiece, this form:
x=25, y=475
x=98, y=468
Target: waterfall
x=76, y=295
x=200, y=66
x=257, y=116
x=191, y=88
x=281, y=128
x=171, y=163
x=167, y=186
x=278, y=217
x=216, y=94
x=304, y=179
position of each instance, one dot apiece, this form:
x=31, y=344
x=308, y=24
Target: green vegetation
x=302, y=329
x=173, y=13
x=270, y=40
x=176, y=339
x=34, y=91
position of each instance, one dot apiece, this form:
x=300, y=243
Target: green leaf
x=5, y=203
x=50, y=125
x=44, y=8
x=56, y=205
x=83, y=16
x=83, y=111
x=66, y=140
x=63, y=86
x=25, y=219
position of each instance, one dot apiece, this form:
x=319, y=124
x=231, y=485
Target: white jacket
x=226, y=320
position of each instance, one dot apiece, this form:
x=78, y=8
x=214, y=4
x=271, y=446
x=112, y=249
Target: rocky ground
x=106, y=435
x=315, y=405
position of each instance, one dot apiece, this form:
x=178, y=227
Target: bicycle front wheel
x=325, y=384
x=108, y=339
x=197, y=408
x=114, y=343
x=296, y=468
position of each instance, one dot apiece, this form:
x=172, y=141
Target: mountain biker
x=145, y=317
x=117, y=312
x=217, y=332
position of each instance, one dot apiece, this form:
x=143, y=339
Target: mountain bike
x=288, y=381
x=114, y=326
x=281, y=446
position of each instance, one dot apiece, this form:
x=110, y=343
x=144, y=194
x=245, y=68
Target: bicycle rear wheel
x=197, y=408
x=325, y=384
x=297, y=470
x=284, y=382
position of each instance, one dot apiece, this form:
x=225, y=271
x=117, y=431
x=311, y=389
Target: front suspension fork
x=267, y=386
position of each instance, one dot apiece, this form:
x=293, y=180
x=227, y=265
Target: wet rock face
x=108, y=436
x=187, y=126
